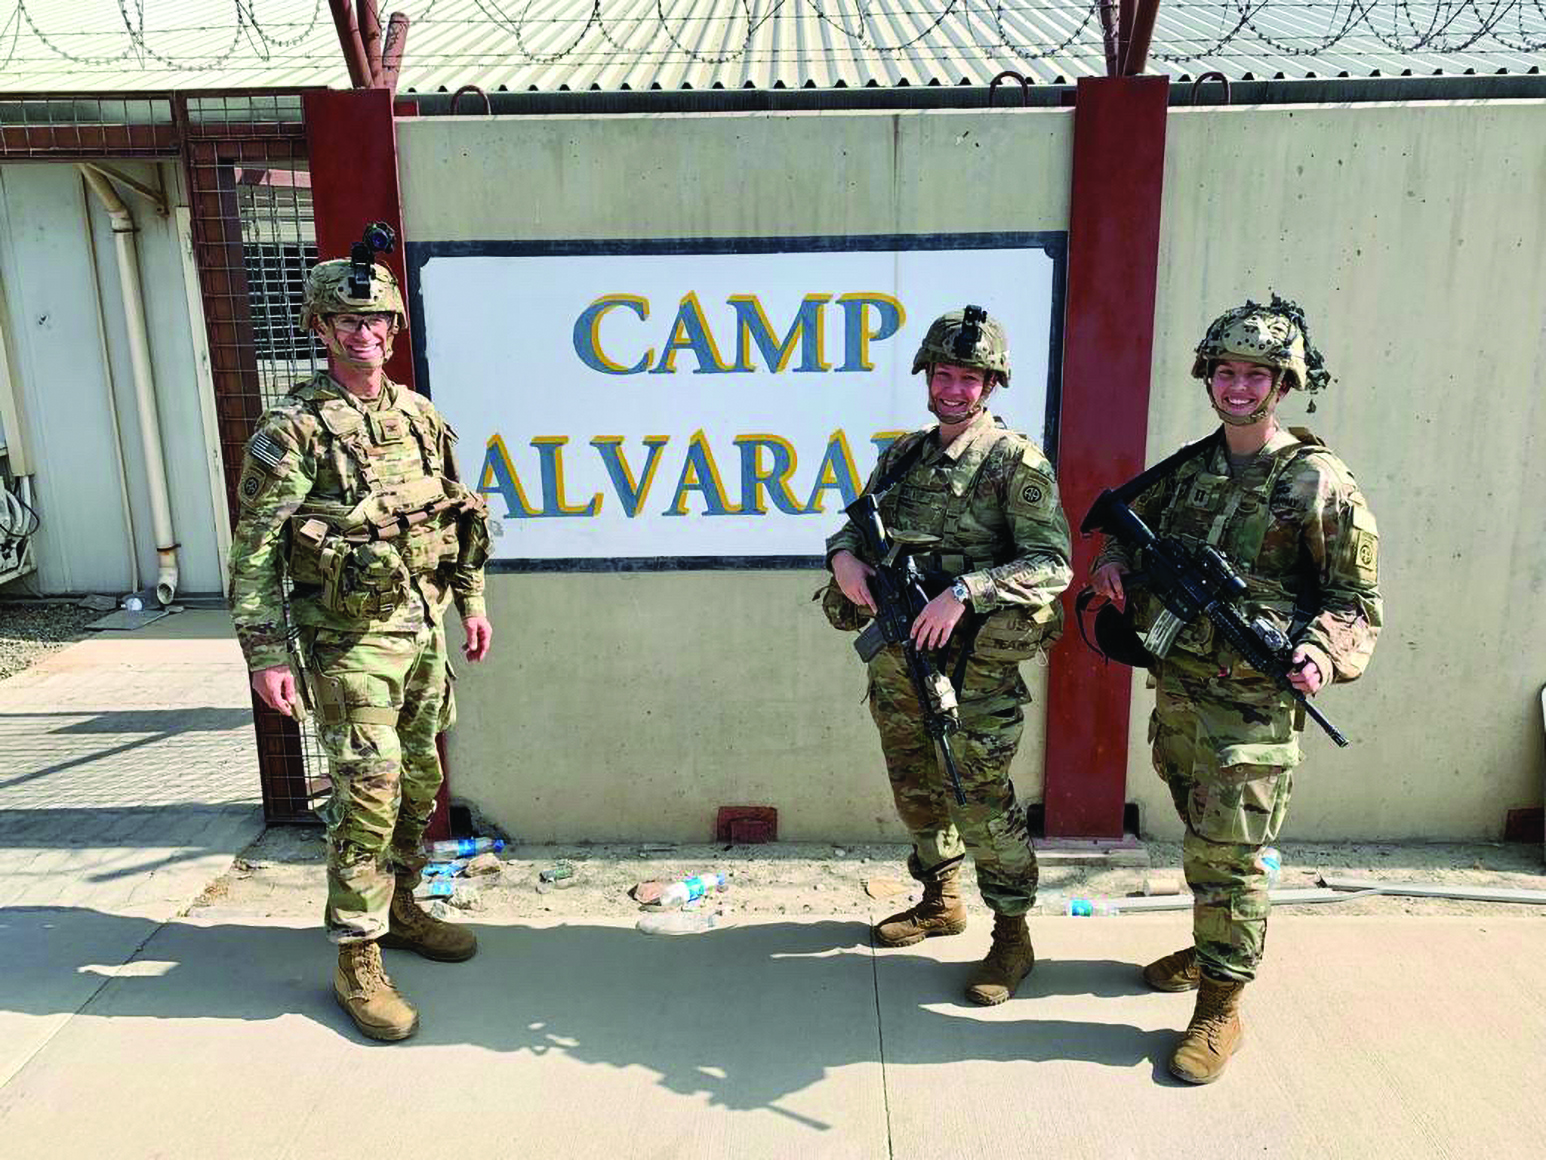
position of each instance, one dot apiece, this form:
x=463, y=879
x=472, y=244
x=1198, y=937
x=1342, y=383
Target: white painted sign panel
x=673, y=404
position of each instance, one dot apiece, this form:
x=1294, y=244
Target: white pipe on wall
x=144, y=381
x=112, y=411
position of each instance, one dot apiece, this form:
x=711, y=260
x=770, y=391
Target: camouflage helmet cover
x=967, y=338
x=1273, y=336
x=327, y=292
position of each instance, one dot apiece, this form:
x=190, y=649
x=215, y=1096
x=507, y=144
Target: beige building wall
x=1413, y=236
x=630, y=706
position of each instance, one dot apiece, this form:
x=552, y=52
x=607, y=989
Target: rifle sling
x=1144, y=480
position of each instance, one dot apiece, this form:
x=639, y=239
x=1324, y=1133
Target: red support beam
x=1108, y=339
x=352, y=142
x=349, y=41
x=1141, y=33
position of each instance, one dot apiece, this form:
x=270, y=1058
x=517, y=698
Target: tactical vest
x=1234, y=516
x=927, y=508
x=397, y=516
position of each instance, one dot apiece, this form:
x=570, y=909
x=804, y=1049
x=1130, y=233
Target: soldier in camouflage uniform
x=1289, y=516
x=980, y=506
x=350, y=489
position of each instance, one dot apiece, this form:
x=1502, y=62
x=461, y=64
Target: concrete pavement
x=1368, y=1037
x=128, y=782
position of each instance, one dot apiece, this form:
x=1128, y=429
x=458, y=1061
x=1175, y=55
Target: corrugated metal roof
x=578, y=45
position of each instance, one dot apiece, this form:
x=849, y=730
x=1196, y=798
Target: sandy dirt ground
x=281, y=875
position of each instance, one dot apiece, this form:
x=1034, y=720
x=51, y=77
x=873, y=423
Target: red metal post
x=392, y=50
x=1139, y=35
x=369, y=22
x=349, y=41
x=1108, y=337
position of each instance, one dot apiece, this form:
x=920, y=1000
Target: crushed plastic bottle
x=692, y=920
x=691, y=888
x=442, y=869
x=1085, y=908
x=464, y=847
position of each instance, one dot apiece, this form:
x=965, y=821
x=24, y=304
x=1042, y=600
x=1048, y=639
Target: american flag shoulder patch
x=266, y=450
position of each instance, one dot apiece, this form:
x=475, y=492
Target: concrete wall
x=62, y=373
x=1413, y=238
x=630, y=706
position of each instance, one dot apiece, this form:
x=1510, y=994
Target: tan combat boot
x=939, y=912
x=409, y=928
x=1213, y=1035
x=1009, y=960
x=364, y=991
x=1177, y=971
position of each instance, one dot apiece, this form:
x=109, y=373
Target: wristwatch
x=960, y=591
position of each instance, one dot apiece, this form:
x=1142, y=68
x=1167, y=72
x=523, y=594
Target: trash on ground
x=694, y=920
x=439, y=910
x=488, y=863
x=656, y=848
x=442, y=869
x=464, y=847
x=883, y=887
x=556, y=872
x=647, y=893
x=98, y=603
x=559, y=876
x=1161, y=884
x=692, y=888
x=458, y=892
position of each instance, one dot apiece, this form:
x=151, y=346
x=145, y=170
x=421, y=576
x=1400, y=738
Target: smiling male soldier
x=350, y=489
x=983, y=502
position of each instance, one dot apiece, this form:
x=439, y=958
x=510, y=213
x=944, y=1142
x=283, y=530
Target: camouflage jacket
x=293, y=459
x=1295, y=525
x=991, y=499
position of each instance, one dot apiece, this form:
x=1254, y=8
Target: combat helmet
x=967, y=338
x=328, y=291
x=1275, y=336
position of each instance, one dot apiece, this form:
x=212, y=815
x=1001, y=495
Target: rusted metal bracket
x=1211, y=76
x=456, y=97
x=1011, y=75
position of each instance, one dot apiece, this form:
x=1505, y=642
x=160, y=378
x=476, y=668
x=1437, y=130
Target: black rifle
x=1201, y=582
x=899, y=594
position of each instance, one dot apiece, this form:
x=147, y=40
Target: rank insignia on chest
x=387, y=427
x=1200, y=497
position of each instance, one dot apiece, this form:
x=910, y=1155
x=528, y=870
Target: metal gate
x=253, y=240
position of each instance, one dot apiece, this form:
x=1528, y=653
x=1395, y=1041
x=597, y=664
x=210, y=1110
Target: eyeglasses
x=354, y=323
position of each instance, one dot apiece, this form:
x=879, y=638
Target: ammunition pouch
x=362, y=559
x=357, y=578
x=1018, y=632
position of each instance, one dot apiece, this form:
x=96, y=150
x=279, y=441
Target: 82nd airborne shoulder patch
x=1032, y=494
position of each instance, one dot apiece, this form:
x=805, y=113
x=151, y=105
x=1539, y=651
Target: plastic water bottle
x=464, y=847
x=1272, y=863
x=690, y=888
x=1084, y=908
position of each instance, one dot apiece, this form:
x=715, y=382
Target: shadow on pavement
x=744, y=1016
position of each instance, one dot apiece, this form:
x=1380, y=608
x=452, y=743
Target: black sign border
x=1054, y=243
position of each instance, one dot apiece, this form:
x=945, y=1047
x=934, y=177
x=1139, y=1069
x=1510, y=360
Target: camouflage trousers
x=1227, y=749
x=991, y=825
x=381, y=697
